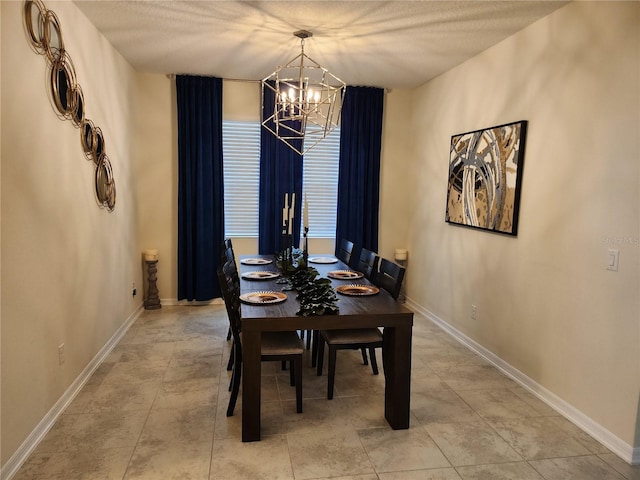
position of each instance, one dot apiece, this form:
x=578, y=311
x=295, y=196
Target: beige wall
x=546, y=304
x=155, y=176
x=67, y=264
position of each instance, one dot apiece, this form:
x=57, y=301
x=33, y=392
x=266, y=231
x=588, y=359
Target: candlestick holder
x=152, y=301
x=305, y=251
x=286, y=256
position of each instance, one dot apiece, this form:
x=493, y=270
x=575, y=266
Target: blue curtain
x=200, y=186
x=280, y=173
x=359, y=169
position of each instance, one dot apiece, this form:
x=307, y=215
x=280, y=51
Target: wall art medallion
x=45, y=36
x=485, y=176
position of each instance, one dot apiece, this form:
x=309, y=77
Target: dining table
x=259, y=273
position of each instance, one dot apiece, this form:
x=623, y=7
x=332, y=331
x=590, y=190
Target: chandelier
x=307, y=101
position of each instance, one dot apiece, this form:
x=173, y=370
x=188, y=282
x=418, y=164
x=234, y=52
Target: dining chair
x=275, y=346
x=367, y=263
x=228, y=255
x=389, y=276
x=345, y=251
x=359, y=338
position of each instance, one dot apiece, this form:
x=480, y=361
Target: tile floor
x=155, y=409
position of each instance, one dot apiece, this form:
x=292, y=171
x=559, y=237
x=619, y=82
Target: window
x=241, y=150
x=241, y=153
x=320, y=183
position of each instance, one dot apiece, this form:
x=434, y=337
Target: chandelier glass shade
x=307, y=100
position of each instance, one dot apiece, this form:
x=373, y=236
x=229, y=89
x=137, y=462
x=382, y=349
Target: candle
x=293, y=209
x=290, y=221
x=305, y=215
x=285, y=209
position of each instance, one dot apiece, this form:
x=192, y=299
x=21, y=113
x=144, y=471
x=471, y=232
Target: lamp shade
x=401, y=254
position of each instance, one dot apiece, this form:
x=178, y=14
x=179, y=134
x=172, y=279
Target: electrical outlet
x=134, y=290
x=61, y=354
x=474, y=312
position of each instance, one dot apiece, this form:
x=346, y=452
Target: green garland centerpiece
x=290, y=260
x=316, y=294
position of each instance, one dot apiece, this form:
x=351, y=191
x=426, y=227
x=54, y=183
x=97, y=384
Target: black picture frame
x=485, y=178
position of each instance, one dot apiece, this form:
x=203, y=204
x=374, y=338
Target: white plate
x=323, y=260
x=263, y=298
x=345, y=274
x=256, y=261
x=260, y=275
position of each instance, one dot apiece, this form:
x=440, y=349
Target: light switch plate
x=612, y=261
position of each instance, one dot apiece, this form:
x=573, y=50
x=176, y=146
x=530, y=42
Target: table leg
x=251, y=377
x=396, y=355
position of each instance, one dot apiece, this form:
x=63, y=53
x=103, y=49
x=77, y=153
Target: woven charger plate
x=345, y=274
x=260, y=275
x=263, y=298
x=357, y=290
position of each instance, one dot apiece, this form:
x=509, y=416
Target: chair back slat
x=345, y=251
x=389, y=277
x=368, y=263
x=227, y=251
x=230, y=286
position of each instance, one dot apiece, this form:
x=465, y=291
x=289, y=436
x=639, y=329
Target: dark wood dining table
x=379, y=310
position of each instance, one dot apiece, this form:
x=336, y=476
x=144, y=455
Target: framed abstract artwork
x=485, y=176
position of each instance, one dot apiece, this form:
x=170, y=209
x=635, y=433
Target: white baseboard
x=14, y=463
x=170, y=302
x=608, y=439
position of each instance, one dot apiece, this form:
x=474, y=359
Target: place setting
x=256, y=261
x=323, y=260
x=345, y=274
x=260, y=275
x=263, y=298
x=357, y=290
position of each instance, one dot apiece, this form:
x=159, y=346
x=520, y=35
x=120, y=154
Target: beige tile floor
x=155, y=410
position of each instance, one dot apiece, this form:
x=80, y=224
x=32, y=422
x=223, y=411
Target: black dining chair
x=276, y=346
x=367, y=263
x=345, y=251
x=228, y=255
x=389, y=276
x=227, y=251
x=358, y=338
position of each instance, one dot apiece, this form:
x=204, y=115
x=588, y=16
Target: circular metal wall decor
x=45, y=36
x=63, y=85
x=86, y=138
x=105, y=185
x=77, y=115
x=53, y=44
x=34, y=12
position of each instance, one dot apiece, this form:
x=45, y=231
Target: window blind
x=241, y=150
x=320, y=184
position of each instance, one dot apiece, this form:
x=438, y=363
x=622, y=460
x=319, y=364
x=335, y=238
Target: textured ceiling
x=391, y=44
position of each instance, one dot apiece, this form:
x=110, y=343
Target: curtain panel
x=359, y=168
x=200, y=186
x=280, y=173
